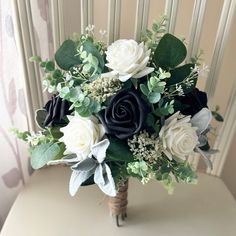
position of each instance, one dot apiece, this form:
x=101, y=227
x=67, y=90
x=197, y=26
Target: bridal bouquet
x=120, y=110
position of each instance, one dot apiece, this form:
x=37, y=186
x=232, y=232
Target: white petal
x=201, y=120
x=99, y=150
x=124, y=78
x=174, y=116
x=109, y=74
x=144, y=72
x=168, y=154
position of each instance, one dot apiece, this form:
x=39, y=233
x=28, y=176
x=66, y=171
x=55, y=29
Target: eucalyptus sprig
x=155, y=86
x=153, y=36
x=53, y=76
x=81, y=102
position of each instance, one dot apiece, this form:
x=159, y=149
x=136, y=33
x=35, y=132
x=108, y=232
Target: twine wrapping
x=118, y=204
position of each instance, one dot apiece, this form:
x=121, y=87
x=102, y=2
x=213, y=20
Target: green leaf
x=144, y=89
x=94, y=106
x=87, y=67
x=150, y=121
x=217, y=116
x=61, y=152
x=153, y=81
x=21, y=135
x=86, y=102
x=119, y=151
x=89, y=47
x=43, y=64
x=55, y=132
x=42, y=154
x=35, y=58
x=170, y=52
x=161, y=112
x=134, y=82
x=64, y=92
x=83, y=111
x=127, y=84
x=179, y=74
x=50, y=66
x=40, y=116
x=66, y=55
x=154, y=97
x=57, y=74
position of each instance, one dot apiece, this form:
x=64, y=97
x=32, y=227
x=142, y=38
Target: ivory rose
x=179, y=138
x=81, y=134
x=128, y=59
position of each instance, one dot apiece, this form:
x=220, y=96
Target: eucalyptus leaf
x=83, y=111
x=154, y=97
x=90, y=48
x=170, y=52
x=179, y=74
x=50, y=66
x=35, y=59
x=144, y=89
x=57, y=74
x=66, y=56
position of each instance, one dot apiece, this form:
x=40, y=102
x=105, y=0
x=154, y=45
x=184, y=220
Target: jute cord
x=118, y=204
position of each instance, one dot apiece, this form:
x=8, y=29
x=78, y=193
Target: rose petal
x=144, y=72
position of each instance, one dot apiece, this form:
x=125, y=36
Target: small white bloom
x=102, y=32
x=68, y=76
x=179, y=138
x=81, y=134
x=204, y=70
x=90, y=28
x=128, y=59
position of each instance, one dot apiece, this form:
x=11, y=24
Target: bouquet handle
x=118, y=204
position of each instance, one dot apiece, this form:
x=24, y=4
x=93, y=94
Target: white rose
x=81, y=134
x=128, y=59
x=179, y=138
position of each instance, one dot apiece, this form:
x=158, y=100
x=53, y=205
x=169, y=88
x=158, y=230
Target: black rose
x=193, y=102
x=124, y=115
x=56, y=109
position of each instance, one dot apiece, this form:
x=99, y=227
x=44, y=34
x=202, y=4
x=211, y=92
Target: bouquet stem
x=118, y=204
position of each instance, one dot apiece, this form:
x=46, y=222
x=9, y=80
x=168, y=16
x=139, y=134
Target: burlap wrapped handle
x=118, y=204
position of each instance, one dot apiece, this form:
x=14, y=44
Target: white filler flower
x=179, y=138
x=128, y=59
x=81, y=134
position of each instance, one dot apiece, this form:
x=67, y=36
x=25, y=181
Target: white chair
x=45, y=208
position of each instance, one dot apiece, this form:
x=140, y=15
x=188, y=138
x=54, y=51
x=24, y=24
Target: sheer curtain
x=14, y=158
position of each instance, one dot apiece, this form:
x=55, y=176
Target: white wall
x=229, y=170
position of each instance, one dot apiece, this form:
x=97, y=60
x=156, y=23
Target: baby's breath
x=102, y=88
x=145, y=147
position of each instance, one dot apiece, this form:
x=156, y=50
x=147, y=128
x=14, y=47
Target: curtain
x=14, y=158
